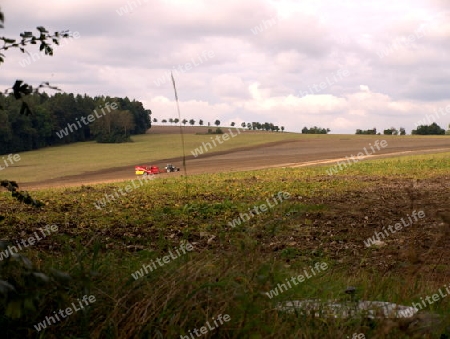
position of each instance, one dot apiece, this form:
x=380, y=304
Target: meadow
x=83, y=157
x=230, y=269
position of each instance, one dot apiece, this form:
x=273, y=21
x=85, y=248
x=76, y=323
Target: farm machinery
x=147, y=170
x=171, y=168
x=151, y=170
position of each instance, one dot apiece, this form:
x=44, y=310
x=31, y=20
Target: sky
x=342, y=65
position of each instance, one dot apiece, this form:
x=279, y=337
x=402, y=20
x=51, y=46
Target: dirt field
x=416, y=254
x=303, y=152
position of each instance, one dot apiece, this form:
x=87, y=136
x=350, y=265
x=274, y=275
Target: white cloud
x=251, y=77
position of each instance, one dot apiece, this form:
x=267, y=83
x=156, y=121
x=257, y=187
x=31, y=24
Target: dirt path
x=298, y=153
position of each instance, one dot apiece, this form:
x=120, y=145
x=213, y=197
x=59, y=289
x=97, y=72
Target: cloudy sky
x=344, y=64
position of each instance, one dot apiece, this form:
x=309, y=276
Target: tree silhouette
x=282, y=128
x=433, y=129
x=243, y=125
x=200, y=122
x=184, y=121
x=192, y=122
x=232, y=124
x=217, y=122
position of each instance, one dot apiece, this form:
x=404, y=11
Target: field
x=322, y=218
x=79, y=158
x=87, y=163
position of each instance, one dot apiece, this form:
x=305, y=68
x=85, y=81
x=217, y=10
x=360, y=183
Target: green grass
x=415, y=167
x=54, y=162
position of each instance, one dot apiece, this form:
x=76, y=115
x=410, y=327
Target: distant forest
x=53, y=114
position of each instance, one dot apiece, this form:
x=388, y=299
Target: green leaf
x=26, y=34
x=16, y=89
x=41, y=29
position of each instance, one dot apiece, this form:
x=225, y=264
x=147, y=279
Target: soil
x=358, y=214
x=304, y=152
x=422, y=248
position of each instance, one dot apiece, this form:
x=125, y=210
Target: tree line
x=267, y=126
x=315, y=130
x=433, y=129
x=56, y=120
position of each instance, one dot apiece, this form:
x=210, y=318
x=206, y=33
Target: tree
x=282, y=128
x=200, y=122
x=113, y=127
x=164, y=121
x=402, y=131
x=140, y=114
x=315, y=130
x=176, y=120
x=369, y=131
x=192, y=122
x=171, y=121
x=217, y=123
x=155, y=120
x=391, y=131
x=125, y=121
x=232, y=124
x=433, y=129
x=184, y=121
x=243, y=125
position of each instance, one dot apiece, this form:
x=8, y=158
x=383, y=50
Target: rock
x=336, y=309
x=377, y=243
x=389, y=315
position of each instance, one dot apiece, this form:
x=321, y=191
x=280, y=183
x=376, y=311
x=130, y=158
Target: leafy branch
x=21, y=89
x=22, y=196
x=43, y=38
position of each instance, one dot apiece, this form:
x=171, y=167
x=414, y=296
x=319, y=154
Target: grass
x=414, y=167
x=78, y=158
x=230, y=269
x=54, y=162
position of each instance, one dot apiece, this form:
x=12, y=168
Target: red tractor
x=147, y=170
